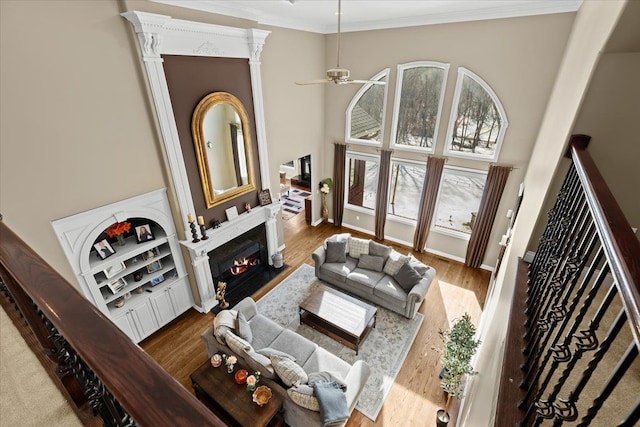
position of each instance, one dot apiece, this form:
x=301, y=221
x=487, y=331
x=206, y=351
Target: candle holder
x=203, y=231
x=194, y=232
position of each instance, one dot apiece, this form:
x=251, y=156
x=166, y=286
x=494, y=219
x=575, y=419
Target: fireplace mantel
x=216, y=237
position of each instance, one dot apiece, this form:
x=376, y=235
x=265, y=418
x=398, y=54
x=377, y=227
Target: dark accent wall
x=191, y=78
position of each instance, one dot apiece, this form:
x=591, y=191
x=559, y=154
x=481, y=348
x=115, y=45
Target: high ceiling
x=319, y=16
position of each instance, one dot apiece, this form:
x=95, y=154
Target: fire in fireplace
x=243, y=264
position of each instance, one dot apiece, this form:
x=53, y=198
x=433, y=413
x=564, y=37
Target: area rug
x=384, y=350
x=293, y=201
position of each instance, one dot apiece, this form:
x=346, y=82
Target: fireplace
x=242, y=264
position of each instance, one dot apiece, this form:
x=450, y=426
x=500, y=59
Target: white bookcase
x=149, y=303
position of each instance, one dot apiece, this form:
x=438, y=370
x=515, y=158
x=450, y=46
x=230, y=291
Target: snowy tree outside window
x=478, y=121
x=405, y=188
x=365, y=113
x=418, y=105
x=362, y=187
x=458, y=200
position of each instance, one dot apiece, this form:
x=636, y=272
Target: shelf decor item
x=117, y=230
x=222, y=289
x=262, y=395
x=114, y=269
x=104, y=249
x=265, y=197
x=216, y=360
x=203, y=229
x=157, y=279
x=241, y=376
x=117, y=285
x=144, y=233
x=154, y=266
x=192, y=226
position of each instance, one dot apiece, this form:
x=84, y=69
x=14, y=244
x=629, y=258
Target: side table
x=231, y=402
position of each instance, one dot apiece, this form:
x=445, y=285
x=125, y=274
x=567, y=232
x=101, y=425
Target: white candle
x=200, y=220
x=190, y=218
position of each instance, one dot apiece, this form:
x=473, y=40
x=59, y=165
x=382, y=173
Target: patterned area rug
x=384, y=349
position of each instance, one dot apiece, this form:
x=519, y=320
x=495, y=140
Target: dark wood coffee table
x=340, y=316
x=231, y=402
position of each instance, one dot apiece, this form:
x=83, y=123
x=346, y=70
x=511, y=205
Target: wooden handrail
x=144, y=390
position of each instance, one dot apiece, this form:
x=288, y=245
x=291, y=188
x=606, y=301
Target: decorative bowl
x=262, y=395
x=241, y=376
x=216, y=360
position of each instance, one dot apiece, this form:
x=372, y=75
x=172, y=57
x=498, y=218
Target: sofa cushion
x=407, y=277
x=339, y=271
x=379, y=249
x=366, y=279
x=264, y=331
x=303, y=395
x=268, y=352
x=388, y=289
x=323, y=360
x=336, y=252
x=371, y=262
x=288, y=371
x=294, y=344
x=394, y=262
x=243, y=330
x=260, y=362
x=338, y=238
x=417, y=265
x=358, y=246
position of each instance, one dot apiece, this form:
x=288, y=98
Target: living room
x=126, y=135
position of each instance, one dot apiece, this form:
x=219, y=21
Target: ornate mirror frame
x=212, y=196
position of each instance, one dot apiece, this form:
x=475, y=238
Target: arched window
x=365, y=113
x=417, y=106
x=478, y=121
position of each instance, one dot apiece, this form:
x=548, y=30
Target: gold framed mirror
x=220, y=128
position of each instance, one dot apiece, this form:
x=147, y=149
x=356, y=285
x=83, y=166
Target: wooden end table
x=231, y=402
x=340, y=316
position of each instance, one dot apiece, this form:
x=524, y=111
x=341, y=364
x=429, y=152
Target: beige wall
x=520, y=67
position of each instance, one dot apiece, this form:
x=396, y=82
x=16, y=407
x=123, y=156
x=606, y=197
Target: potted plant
x=459, y=346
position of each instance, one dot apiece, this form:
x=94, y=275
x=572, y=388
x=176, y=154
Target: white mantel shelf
x=229, y=230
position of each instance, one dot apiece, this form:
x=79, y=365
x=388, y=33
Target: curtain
x=382, y=193
x=496, y=180
x=427, y=202
x=339, y=160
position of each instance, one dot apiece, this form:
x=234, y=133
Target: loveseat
x=374, y=272
x=266, y=344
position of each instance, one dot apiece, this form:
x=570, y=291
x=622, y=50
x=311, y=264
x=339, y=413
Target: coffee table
x=340, y=316
x=231, y=402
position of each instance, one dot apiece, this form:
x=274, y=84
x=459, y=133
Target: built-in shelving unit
x=142, y=286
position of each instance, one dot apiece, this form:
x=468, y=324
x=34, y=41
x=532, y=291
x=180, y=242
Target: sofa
x=373, y=272
x=268, y=344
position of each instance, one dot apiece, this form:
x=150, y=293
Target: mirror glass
x=220, y=128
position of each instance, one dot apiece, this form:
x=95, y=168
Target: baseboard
x=457, y=258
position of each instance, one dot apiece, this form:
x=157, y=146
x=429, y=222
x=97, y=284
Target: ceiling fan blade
x=373, y=82
x=312, y=82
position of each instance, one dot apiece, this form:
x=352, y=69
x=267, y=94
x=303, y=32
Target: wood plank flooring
x=416, y=395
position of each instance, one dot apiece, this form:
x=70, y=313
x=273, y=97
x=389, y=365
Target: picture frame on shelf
x=104, y=249
x=265, y=197
x=117, y=285
x=114, y=269
x=232, y=213
x=156, y=280
x=150, y=254
x=144, y=233
x=154, y=266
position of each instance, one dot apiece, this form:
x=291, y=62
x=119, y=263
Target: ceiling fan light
x=338, y=74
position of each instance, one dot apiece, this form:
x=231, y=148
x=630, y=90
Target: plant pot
x=442, y=418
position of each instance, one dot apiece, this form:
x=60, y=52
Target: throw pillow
x=327, y=377
x=336, y=252
x=407, y=277
x=289, y=371
x=394, y=262
x=223, y=322
x=302, y=395
x=343, y=237
x=243, y=330
x=260, y=362
x=332, y=402
x=358, y=247
x=417, y=265
x=237, y=344
x=370, y=262
x=268, y=351
x=379, y=249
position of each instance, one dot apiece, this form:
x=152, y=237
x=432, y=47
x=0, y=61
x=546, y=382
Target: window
x=363, y=180
x=458, y=200
x=478, y=121
x=405, y=188
x=365, y=113
x=417, y=106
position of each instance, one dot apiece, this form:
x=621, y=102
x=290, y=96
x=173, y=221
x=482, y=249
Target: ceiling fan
x=339, y=75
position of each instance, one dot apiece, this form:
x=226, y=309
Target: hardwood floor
x=416, y=395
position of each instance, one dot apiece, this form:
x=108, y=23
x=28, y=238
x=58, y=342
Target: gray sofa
x=266, y=334
x=374, y=272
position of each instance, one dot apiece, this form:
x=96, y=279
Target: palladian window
x=365, y=114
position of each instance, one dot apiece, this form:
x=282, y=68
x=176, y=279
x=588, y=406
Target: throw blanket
x=332, y=402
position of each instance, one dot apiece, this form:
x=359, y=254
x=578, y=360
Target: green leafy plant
x=459, y=346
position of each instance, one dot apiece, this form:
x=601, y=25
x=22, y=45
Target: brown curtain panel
x=427, y=202
x=496, y=180
x=339, y=159
x=383, y=193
